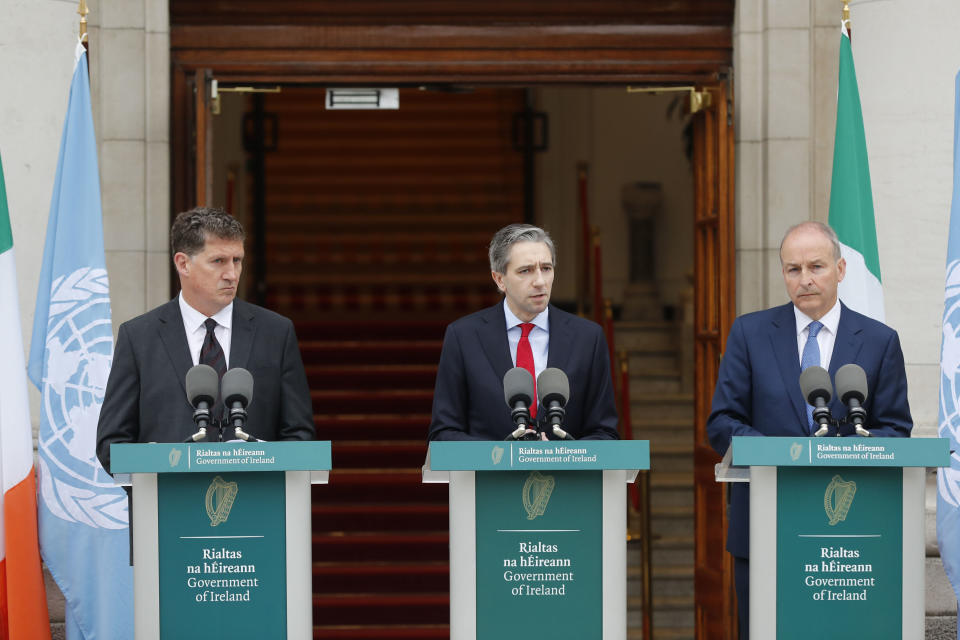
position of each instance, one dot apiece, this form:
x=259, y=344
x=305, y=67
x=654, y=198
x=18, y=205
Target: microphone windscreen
x=518, y=387
x=202, y=384
x=552, y=384
x=815, y=383
x=237, y=386
x=851, y=382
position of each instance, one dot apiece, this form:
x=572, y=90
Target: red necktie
x=525, y=360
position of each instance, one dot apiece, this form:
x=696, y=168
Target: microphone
x=202, y=384
x=851, y=382
x=817, y=390
x=553, y=388
x=518, y=392
x=237, y=391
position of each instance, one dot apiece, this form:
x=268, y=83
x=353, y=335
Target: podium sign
x=539, y=553
x=222, y=555
x=836, y=535
x=222, y=537
x=537, y=536
x=839, y=560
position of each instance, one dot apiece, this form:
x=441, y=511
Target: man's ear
x=182, y=262
x=498, y=279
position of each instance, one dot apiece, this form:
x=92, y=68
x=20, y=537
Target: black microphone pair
x=851, y=385
x=203, y=384
x=553, y=391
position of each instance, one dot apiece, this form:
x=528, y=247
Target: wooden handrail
x=583, y=284
x=639, y=502
x=597, y=277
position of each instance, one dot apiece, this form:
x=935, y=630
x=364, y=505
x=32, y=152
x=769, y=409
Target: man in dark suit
x=758, y=393
x=145, y=399
x=468, y=401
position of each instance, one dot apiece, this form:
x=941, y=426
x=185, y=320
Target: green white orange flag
x=851, y=197
x=23, y=600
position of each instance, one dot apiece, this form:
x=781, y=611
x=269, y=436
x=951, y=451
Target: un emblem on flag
x=79, y=350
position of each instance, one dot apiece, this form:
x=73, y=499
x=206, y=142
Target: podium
x=837, y=544
x=222, y=537
x=537, y=536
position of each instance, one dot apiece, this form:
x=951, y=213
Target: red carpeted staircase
x=380, y=559
x=377, y=227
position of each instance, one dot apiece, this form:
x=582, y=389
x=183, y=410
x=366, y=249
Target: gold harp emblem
x=219, y=500
x=536, y=494
x=837, y=499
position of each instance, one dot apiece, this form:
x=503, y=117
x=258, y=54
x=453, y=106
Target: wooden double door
x=583, y=46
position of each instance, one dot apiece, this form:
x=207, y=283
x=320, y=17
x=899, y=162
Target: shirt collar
x=193, y=319
x=541, y=320
x=830, y=320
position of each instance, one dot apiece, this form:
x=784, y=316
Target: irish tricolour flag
x=851, y=199
x=23, y=601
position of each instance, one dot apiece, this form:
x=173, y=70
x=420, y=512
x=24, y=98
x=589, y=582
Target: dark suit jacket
x=146, y=401
x=758, y=390
x=468, y=402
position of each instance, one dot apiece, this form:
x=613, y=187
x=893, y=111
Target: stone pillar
x=130, y=84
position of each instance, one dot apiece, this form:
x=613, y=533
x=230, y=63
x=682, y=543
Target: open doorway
x=374, y=231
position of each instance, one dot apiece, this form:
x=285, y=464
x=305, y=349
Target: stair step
x=378, y=298
x=378, y=546
x=391, y=608
x=357, y=328
x=371, y=376
x=371, y=351
x=386, y=516
x=372, y=400
x=353, y=486
x=394, y=577
x=379, y=426
x=382, y=454
x=381, y=632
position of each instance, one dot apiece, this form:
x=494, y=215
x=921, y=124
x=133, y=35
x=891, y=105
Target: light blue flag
x=948, y=479
x=82, y=514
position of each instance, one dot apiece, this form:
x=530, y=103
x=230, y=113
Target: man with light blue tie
x=758, y=393
x=524, y=330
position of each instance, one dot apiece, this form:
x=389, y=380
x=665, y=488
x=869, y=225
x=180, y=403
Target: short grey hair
x=825, y=229
x=510, y=235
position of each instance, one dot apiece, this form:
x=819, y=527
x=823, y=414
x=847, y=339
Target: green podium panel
x=537, y=536
x=222, y=537
x=836, y=535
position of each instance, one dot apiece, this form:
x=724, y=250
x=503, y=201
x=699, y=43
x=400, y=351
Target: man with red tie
x=524, y=330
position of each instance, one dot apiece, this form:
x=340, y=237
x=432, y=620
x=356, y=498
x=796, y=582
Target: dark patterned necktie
x=211, y=352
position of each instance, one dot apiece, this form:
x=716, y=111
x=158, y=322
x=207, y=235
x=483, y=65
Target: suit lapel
x=174, y=339
x=492, y=336
x=241, y=335
x=561, y=340
x=847, y=344
x=783, y=338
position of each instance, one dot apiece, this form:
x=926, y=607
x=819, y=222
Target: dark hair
x=191, y=228
x=510, y=235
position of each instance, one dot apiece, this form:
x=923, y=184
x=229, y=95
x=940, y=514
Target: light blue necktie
x=811, y=358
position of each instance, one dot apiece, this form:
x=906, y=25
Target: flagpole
x=83, y=10
x=844, y=19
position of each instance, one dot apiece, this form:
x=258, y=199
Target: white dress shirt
x=826, y=337
x=196, y=331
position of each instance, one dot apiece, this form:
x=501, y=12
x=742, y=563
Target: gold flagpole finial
x=83, y=10
x=845, y=15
